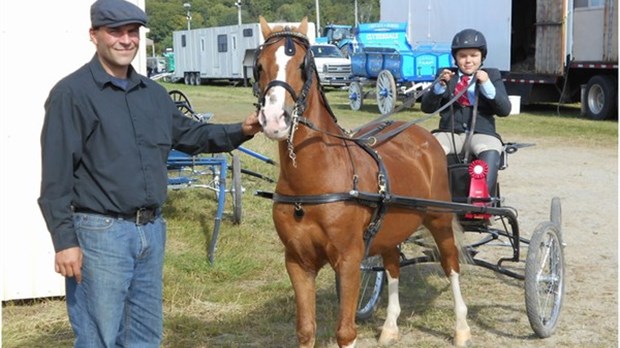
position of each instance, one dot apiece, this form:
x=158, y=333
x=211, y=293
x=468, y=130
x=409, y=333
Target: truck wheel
x=600, y=98
x=186, y=78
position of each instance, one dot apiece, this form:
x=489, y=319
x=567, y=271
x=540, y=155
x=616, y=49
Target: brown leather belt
x=141, y=216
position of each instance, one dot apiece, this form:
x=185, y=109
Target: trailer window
x=183, y=40
x=248, y=32
x=222, y=43
x=589, y=3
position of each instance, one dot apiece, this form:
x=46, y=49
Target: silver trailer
x=548, y=50
x=219, y=53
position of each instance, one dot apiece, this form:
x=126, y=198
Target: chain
x=294, y=125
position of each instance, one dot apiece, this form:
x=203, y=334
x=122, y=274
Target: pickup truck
x=333, y=67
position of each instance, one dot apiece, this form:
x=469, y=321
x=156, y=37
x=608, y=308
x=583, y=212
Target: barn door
x=550, y=36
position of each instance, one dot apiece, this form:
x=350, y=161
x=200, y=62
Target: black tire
x=600, y=98
x=236, y=191
x=371, y=286
x=556, y=213
x=197, y=79
x=186, y=79
x=182, y=102
x=544, y=279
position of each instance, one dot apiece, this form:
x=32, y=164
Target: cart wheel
x=371, y=285
x=236, y=190
x=556, y=213
x=356, y=99
x=386, y=92
x=544, y=279
x=182, y=102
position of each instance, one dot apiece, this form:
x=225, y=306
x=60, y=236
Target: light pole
x=188, y=7
x=318, y=19
x=238, y=4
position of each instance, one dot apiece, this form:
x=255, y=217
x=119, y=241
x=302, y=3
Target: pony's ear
x=264, y=26
x=303, y=26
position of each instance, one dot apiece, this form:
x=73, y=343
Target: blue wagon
x=384, y=57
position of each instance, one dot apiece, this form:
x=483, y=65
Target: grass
x=245, y=299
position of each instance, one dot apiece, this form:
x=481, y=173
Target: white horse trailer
x=547, y=50
x=219, y=53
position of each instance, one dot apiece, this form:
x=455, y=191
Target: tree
x=167, y=16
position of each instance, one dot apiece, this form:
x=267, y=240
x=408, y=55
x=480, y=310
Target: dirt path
x=586, y=181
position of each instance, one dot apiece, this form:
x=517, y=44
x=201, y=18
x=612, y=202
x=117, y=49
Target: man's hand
x=250, y=125
x=69, y=263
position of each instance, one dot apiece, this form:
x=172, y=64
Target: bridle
x=309, y=73
x=309, y=69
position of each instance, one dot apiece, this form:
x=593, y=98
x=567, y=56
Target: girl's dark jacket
x=487, y=109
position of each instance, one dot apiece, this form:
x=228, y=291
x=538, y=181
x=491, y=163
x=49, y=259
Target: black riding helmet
x=469, y=38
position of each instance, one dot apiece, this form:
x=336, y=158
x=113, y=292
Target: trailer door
x=550, y=39
x=236, y=61
x=204, y=58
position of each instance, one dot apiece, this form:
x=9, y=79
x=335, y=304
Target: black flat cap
x=115, y=13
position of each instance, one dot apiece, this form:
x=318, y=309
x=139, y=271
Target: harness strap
x=386, y=136
x=308, y=199
x=472, y=127
x=407, y=103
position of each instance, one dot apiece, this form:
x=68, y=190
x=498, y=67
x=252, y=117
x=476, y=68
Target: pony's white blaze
x=272, y=115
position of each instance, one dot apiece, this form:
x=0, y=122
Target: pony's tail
x=465, y=256
x=425, y=238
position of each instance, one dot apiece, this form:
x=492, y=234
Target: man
x=469, y=49
x=105, y=141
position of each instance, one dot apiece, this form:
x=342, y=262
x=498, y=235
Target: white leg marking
x=389, y=332
x=463, y=333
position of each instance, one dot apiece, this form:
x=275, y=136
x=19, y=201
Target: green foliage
x=166, y=16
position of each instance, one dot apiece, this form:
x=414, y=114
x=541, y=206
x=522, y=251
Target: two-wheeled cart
x=542, y=269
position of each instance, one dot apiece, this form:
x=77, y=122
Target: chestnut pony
x=321, y=210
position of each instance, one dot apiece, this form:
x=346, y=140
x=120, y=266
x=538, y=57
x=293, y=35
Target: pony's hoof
x=462, y=338
x=388, y=337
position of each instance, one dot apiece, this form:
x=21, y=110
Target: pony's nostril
x=286, y=116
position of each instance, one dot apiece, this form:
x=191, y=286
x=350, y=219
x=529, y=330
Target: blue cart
x=383, y=57
x=210, y=172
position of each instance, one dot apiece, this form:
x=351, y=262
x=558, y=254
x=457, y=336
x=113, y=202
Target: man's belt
x=141, y=216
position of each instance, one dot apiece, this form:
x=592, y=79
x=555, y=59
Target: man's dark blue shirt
x=105, y=147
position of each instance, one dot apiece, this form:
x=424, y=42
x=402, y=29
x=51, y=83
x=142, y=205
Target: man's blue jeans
x=119, y=301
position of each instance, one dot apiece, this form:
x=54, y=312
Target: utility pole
x=238, y=4
x=318, y=19
x=188, y=6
